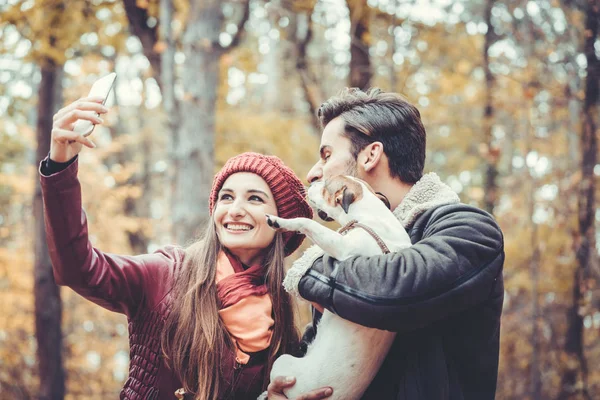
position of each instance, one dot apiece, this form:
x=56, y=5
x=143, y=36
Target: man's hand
x=275, y=390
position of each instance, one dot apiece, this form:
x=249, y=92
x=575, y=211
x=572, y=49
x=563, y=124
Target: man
x=444, y=294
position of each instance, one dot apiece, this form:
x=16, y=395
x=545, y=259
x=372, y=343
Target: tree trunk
x=493, y=153
x=576, y=366
x=574, y=380
x=574, y=105
x=138, y=24
x=308, y=81
x=535, y=367
x=48, y=307
x=360, y=61
x=194, y=143
x=159, y=48
x=393, y=48
x=167, y=60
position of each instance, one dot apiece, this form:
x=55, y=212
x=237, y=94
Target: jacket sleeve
x=453, y=267
x=118, y=283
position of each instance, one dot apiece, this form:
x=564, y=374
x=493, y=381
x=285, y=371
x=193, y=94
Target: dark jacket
x=443, y=296
x=137, y=286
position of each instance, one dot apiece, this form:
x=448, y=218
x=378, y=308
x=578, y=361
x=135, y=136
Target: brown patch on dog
x=341, y=187
x=366, y=184
x=380, y=196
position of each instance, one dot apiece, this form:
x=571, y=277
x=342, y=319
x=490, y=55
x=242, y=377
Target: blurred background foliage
x=508, y=91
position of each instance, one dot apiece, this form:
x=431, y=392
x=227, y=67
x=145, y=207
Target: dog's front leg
x=330, y=241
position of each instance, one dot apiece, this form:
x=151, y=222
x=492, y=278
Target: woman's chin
x=236, y=244
x=239, y=246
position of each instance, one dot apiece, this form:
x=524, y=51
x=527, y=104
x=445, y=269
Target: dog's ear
x=345, y=197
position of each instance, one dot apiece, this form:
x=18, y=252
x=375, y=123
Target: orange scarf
x=244, y=305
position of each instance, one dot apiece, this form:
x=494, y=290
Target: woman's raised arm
x=118, y=283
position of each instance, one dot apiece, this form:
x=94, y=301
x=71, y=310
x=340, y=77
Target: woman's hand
x=65, y=143
x=275, y=390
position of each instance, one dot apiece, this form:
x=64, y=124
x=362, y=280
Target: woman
x=208, y=320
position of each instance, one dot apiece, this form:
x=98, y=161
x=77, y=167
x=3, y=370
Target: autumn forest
x=508, y=91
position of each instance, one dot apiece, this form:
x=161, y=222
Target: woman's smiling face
x=239, y=216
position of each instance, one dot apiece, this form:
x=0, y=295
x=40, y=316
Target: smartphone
x=100, y=88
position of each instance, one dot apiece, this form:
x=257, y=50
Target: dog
x=344, y=355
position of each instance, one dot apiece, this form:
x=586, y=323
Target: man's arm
x=455, y=266
x=276, y=387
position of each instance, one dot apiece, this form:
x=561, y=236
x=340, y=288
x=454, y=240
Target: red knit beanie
x=287, y=189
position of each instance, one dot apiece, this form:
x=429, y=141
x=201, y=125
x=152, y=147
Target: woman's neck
x=248, y=259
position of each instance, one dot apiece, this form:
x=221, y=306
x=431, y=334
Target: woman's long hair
x=194, y=339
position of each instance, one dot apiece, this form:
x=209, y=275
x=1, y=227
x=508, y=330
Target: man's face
x=335, y=154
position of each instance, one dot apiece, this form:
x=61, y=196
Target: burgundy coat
x=137, y=286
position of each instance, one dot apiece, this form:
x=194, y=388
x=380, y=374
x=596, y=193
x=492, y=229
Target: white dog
x=343, y=355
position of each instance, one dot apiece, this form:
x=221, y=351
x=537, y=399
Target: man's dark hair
x=376, y=116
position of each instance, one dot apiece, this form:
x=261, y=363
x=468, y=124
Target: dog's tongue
x=323, y=215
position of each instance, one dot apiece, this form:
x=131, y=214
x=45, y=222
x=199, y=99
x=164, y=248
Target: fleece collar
x=429, y=192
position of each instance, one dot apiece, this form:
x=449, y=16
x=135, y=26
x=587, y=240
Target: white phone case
x=100, y=88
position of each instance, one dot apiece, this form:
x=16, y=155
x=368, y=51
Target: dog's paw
x=285, y=224
x=272, y=221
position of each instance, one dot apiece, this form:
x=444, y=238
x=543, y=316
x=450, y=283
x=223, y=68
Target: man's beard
x=352, y=168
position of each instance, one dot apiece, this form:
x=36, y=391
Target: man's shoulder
x=460, y=211
x=456, y=215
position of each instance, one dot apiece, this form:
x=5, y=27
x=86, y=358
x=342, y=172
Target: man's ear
x=345, y=197
x=371, y=156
